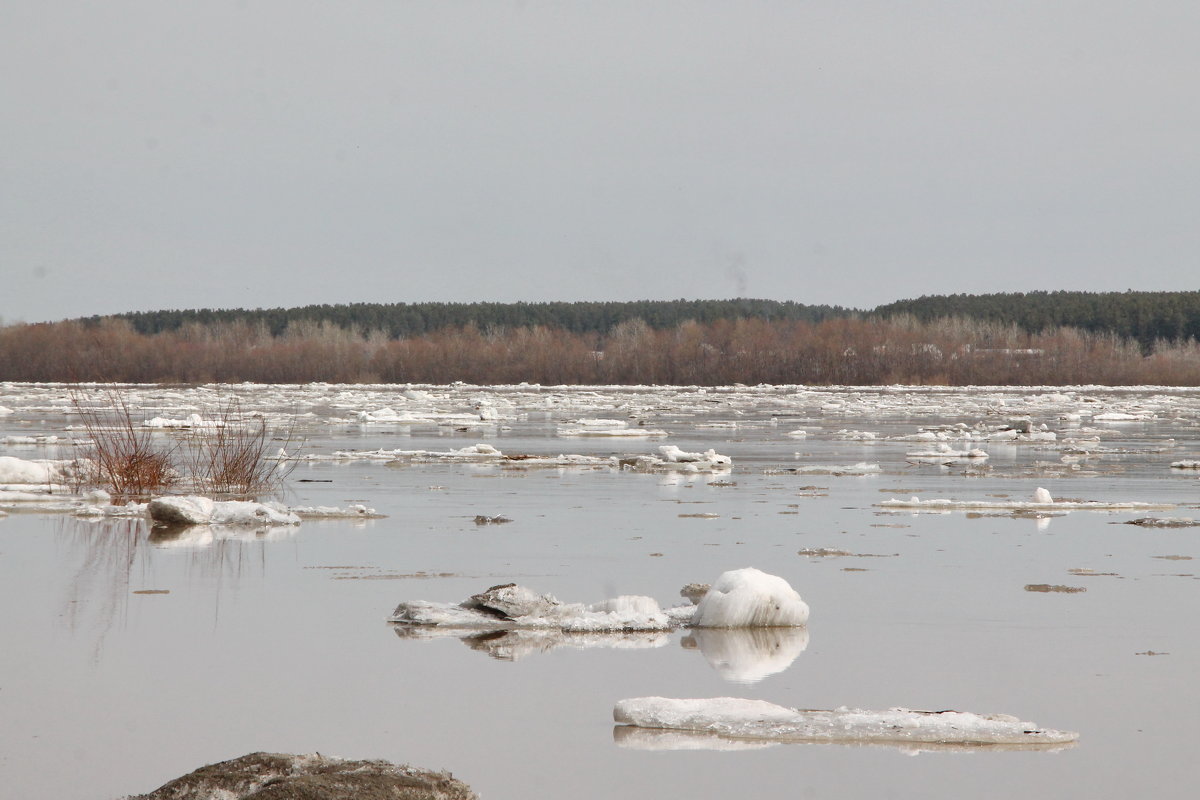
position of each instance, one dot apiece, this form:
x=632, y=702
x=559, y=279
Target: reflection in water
x=508, y=644
x=97, y=595
x=747, y=655
x=635, y=738
x=740, y=655
x=110, y=552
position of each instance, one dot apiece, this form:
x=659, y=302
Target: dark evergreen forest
x=1144, y=317
x=399, y=320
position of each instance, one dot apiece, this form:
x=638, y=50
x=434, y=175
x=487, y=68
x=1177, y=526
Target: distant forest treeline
x=397, y=320
x=1146, y=317
x=1010, y=339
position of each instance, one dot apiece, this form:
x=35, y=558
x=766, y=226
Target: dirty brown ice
x=282, y=776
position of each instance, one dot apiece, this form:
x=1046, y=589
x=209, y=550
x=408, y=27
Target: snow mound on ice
x=758, y=719
x=745, y=598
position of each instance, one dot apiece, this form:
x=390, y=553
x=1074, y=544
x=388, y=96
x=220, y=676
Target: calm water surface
x=130, y=658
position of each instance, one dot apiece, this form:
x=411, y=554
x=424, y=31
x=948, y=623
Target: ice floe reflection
x=633, y=738
x=745, y=655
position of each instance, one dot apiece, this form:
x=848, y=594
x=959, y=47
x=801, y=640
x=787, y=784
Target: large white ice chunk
x=18, y=470
x=510, y=606
x=757, y=719
x=198, y=510
x=744, y=598
x=674, y=455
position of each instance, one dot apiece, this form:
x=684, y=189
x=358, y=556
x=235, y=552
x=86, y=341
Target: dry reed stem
x=229, y=460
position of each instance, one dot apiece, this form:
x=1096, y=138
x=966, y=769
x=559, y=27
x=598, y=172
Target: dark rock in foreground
x=282, y=776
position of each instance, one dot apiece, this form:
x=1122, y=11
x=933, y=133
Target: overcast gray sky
x=279, y=152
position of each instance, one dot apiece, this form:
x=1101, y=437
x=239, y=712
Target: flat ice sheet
x=738, y=718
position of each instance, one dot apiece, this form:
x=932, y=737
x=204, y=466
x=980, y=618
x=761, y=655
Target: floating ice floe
x=1121, y=416
x=856, y=436
x=36, y=440
x=1164, y=522
x=607, y=427
x=1042, y=501
x=738, y=655
x=741, y=719
x=193, y=422
x=354, y=511
x=861, y=468
x=42, y=471
x=390, y=415
x=738, y=599
x=708, y=459
x=199, y=510
x=1185, y=465
x=750, y=598
x=945, y=454
x=512, y=606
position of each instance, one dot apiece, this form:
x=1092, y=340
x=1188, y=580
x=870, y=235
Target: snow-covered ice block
x=18, y=470
x=199, y=510
x=674, y=455
x=744, y=598
x=757, y=719
x=739, y=599
x=512, y=606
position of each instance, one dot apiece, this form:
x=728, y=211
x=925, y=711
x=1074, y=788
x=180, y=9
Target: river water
x=131, y=657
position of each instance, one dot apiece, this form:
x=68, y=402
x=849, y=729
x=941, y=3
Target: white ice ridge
x=739, y=599
x=1042, y=501
x=738, y=718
